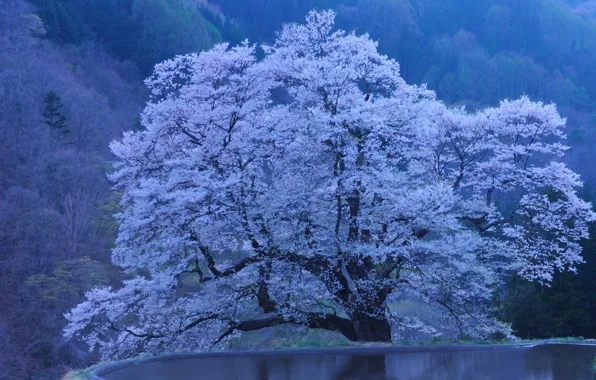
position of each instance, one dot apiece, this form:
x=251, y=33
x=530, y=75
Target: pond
x=541, y=362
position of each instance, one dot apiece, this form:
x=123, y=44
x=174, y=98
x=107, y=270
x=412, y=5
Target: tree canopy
x=313, y=187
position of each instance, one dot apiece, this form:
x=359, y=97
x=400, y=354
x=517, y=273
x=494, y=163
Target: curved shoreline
x=96, y=373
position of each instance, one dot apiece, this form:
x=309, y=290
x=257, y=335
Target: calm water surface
x=545, y=362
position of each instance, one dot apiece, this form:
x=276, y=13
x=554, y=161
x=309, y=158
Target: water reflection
x=560, y=362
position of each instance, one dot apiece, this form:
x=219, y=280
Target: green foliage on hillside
x=143, y=31
x=566, y=308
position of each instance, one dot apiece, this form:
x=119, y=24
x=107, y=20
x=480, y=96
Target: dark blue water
x=545, y=362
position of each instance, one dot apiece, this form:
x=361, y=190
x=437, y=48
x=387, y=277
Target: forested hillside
x=71, y=75
x=59, y=109
x=144, y=31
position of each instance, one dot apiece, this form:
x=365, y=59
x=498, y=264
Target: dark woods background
x=71, y=81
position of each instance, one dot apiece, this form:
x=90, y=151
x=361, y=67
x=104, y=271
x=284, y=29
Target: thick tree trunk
x=360, y=328
x=369, y=329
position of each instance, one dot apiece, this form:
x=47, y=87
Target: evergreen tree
x=53, y=113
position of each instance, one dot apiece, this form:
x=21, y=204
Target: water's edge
x=96, y=373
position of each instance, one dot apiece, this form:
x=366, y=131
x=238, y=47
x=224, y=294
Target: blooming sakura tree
x=314, y=187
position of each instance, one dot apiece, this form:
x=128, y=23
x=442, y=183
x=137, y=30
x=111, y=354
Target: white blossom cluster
x=313, y=186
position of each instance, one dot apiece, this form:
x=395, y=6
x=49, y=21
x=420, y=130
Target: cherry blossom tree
x=314, y=187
